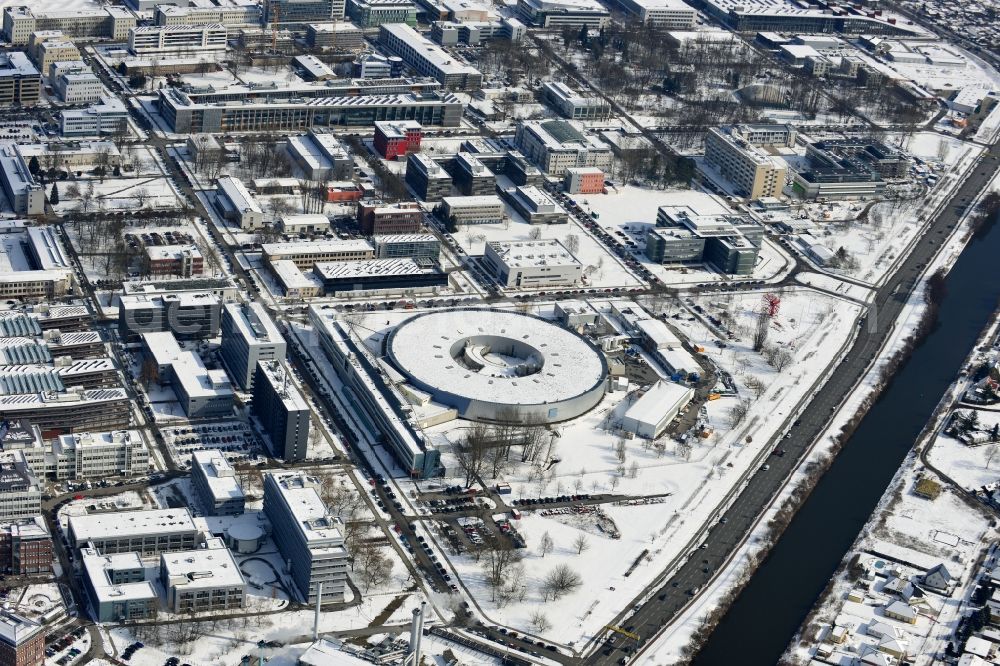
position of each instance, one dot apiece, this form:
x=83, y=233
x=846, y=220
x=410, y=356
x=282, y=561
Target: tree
x=33, y=166
x=497, y=560
x=760, y=334
x=560, y=581
x=782, y=359
x=54, y=195
x=545, y=544
x=535, y=233
x=756, y=385
x=581, y=543
x=376, y=568
x=738, y=412
x=471, y=452
x=572, y=243
x=539, y=622
x=620, y=450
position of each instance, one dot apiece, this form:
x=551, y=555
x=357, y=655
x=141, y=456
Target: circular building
x=497, y=365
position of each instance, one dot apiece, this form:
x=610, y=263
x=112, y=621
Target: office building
x=583, y=180
x=472, y=177
x=206, y=579
x=460, y=211
x=338, y=36
x=373, y=13
x=559, y=14
x=25, y=547
x=426, y=246
x=534, y=205
x=380, y=219
x=305, y=223
x=320, y=155
x=25, y=195
x=540, y=264
x=662, y=14
x=302, y=11
x=571, y=104
x=306, y=254
x=294, y=283
x=201, y=392
x=20, y=82
x=379, y=274
x=249, y=335
x=184, y=115
x=427, y=58
x=20, y=494
x=22, y=641
x=308, y=536
x=729, y=242
x=52, y=50
x=75, y=409
x=78, y=87
x=191, y=315
x=312, y=68
x=230, y=13
x=108, y=116
x=473, y=33
x=738, y=153
x=83, y=455
x=215, y=484
x=116, y=586
x=235, y=203
x=752, y=16
x=427, y=178
x=281, y=410
x=557, y=145
x=396, y=138
x=222, y=288
x=147, y=532
x=849, y=169
x=170, y=40
x=104, y=23
x=381, y=401
x=377, y=66
x=177, y=260
x=33, y=264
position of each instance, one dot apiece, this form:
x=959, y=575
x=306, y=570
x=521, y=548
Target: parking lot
x=234, y=438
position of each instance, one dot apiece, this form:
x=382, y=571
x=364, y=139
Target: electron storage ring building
x=496, y=365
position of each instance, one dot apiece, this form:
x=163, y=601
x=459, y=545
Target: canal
x=765, y=617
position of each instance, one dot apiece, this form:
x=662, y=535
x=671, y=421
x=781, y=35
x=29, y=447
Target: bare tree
x=560, y=581
x=545, y=544
x=539, y=622
x=782, y=359
x=760, y=333
x=738, y=412
x=535, y=233
x=376, y=567
x=620, y=450
x=496, y=562
x=756, y=385
x=581, y=543
x=472, y=452
x=572, y=243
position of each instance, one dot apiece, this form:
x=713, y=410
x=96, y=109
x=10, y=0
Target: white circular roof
x=441, y=349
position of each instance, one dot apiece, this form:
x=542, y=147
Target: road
x=726, y=535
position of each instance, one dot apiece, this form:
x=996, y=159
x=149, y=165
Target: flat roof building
x=235, y=203
x=20, y=494
x=117, y=587
x=472, y=177
x=571, y=104
x=249, y=335
x=380, y=274
x=215, y=483
x=535, y=206
x=308, y=536
x=189, y=315
x=108, y=116
x=26, y=196
x=147, y=532
x=281, y=410
x=22, y=641
x=373, y=13
x=540, y=264
x=305, y=254
x=563, y=13
x=729, y=242
x=33, y=264
x=77, y=23
x=229, y=13
x=556, y=145
x=650, y=415
x=20, y=82
x=406, y=217
x=394, y=246
x=427, y=58
x=205, y=579
x=664, y=14
x=737, y=153
x=340, y=36
x=459, y=211
x=427, y=178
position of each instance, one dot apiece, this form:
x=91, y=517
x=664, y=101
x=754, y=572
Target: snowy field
x=970, y=466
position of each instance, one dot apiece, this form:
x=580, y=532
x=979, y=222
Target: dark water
x=765, y=617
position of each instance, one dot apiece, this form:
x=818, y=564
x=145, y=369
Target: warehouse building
x=650, y=415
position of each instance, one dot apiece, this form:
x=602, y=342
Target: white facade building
x=532, y=264
x=486, y=209
x=203, y=579
x=216, y=485
x=153, y=40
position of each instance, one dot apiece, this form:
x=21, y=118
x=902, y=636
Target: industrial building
x=33, y=264
x=558, y=14
x=189, y=315
x=571, y=104
x=492, y=365
x=205, y=579
x=428, y=179
x=248, y=336
x=147, y=532
x=556, y=145
x=539, y=264
x=185, y=115
x=294, y=283
x=20, y=82
x=373, y=13
x=282, y=411
x=427, y=58
x=215, y=484
x=399, y=218
x=738, y=154
x=729, y=242
x=117, y=587
x=25, y=547
x=381, y=402
x=308, y=536
x=460, y=211
x=395, y=138
x=650, y=415
x=235, y=203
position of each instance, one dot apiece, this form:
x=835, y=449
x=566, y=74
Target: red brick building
x=22, y=641
x=379, y=220
x=25, y=547
x=397, y=137
x=345, y=192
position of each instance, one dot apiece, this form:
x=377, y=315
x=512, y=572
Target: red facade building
x=397, y=137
